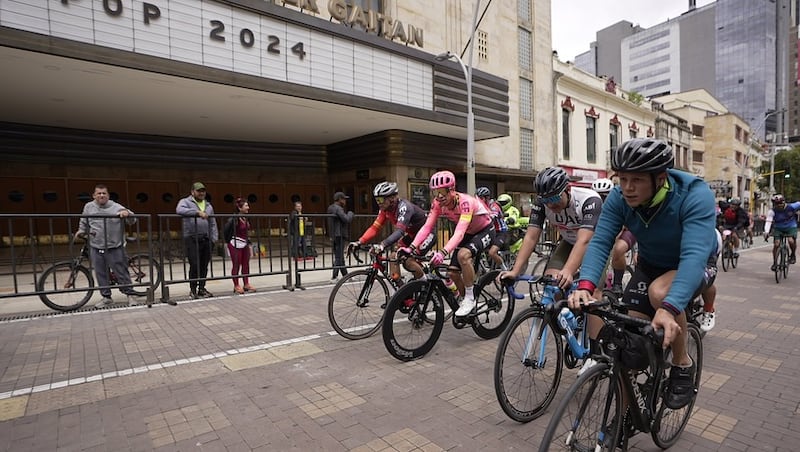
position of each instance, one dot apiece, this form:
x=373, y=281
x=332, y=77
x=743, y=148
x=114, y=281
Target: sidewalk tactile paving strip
x=721, y=297
x=731, y=334
x=473, y=398
x=219, y=320
x=277, y=309
x=779, y=328
x=712, y=380
x=13, y=407
x=188, y=422
x=325, y=399
x=710, y=425
x=750, y=360
x=401, y=441
x=307, y=319
x=770, y=314
x=244, y=334
x=203, y=309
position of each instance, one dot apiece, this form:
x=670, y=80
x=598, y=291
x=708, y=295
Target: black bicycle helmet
x=642, y=155
x=550, y=181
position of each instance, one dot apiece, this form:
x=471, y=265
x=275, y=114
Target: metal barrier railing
x=31, y=243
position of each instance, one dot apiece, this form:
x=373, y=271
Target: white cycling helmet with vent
x=602, y=186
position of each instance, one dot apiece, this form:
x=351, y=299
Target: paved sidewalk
x=264, y=372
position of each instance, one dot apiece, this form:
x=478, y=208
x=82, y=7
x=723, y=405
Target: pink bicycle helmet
x=443, y=179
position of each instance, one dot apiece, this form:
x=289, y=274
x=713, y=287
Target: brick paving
x=265, y=372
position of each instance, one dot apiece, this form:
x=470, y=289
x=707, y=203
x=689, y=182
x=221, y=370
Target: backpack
x=228, y=230
x=730, y=215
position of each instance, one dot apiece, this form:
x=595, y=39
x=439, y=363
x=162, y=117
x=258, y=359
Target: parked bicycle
x=631, y=366
x=357, y=301
x=780, y=263
x=68, y=285
x=729, y=257
x=415, y=315
x=530, y=356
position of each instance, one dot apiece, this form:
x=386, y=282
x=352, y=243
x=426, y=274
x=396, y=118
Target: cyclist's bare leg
x=413, y=266
x=709, y=296
x=792, y=244
x=467, y=271
x=494, y=254
x=657, y=291
x=618, y=260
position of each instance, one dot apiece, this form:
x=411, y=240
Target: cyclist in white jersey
x=573, y=210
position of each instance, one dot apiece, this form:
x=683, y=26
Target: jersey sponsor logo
x=465, y=207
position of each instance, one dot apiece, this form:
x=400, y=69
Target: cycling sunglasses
x=380, y=199
x=436, y=192
x=550, y=199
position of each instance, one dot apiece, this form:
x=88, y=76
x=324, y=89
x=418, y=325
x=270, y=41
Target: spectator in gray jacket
x=200, y=234
x=106, y=238
x=339, y=231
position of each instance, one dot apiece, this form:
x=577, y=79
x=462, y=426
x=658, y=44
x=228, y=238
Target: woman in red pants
x=239, y=246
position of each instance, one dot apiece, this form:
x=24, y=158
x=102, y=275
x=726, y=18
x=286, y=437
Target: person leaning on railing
x=200, y=234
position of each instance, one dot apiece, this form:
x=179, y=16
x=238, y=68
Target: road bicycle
x=530, y=356
x=780, y=263
x=415, y=315
x=357, y=301
x=729, y=258
x=68, y=285
x=631, y=366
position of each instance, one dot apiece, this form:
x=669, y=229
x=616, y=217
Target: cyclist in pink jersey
x=473, y=233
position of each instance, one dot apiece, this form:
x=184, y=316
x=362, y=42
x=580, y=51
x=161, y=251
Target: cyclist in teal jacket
x=671, y=213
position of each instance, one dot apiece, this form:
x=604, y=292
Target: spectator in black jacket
x=339, y=231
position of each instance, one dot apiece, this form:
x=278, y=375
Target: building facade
x=273, y=100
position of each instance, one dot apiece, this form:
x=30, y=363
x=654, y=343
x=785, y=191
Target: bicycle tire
x=494, y=308
x=59, y=276
x=784, y=261
x=408, y=332
x=776, y=263
x=734, y=260
x=539, y=267
x=355, y=304
x=725, y=252
x=140, y=267
x=669, y=424
x=525, y=388
x=577, y=423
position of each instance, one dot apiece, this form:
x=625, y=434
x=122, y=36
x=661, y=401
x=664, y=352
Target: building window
x=697, y=130
x=524, y=49
x=372, y=5
x=697, y=157
x=524, y=10
x=613, y=136
x=633, y=133
x=591, y=140
x=483, y=45
x=738, y=133
x=525, y=149
x=525, y=99
x=565, y=114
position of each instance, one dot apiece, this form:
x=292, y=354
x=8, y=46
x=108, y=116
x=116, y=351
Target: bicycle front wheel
x=65, y=286
x=777, y=265
x=355, y=306
x=785, y=262
x=494, y=307
x=143, y=269
x=527, y=366
x=668, y=423
x=413, y=321
x=539, y=267
x=589, y=416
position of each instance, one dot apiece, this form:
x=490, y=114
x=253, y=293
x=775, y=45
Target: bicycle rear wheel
x=527, y=368
x=355, y=306
x=413, y=320
x=589, y=416
x=66, y=286
x=140, y=268
x=668, y=424
x=494, y=307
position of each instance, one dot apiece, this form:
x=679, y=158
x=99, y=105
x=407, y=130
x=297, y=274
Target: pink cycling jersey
x=470, y=215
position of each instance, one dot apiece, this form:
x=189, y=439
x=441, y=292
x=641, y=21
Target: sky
x=575, y=22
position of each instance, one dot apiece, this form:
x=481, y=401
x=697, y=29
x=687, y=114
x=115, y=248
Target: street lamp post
x=467, y=69
x=774, y=151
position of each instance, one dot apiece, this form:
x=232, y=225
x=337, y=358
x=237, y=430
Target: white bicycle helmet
x=602, y=186
x=385, y=189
